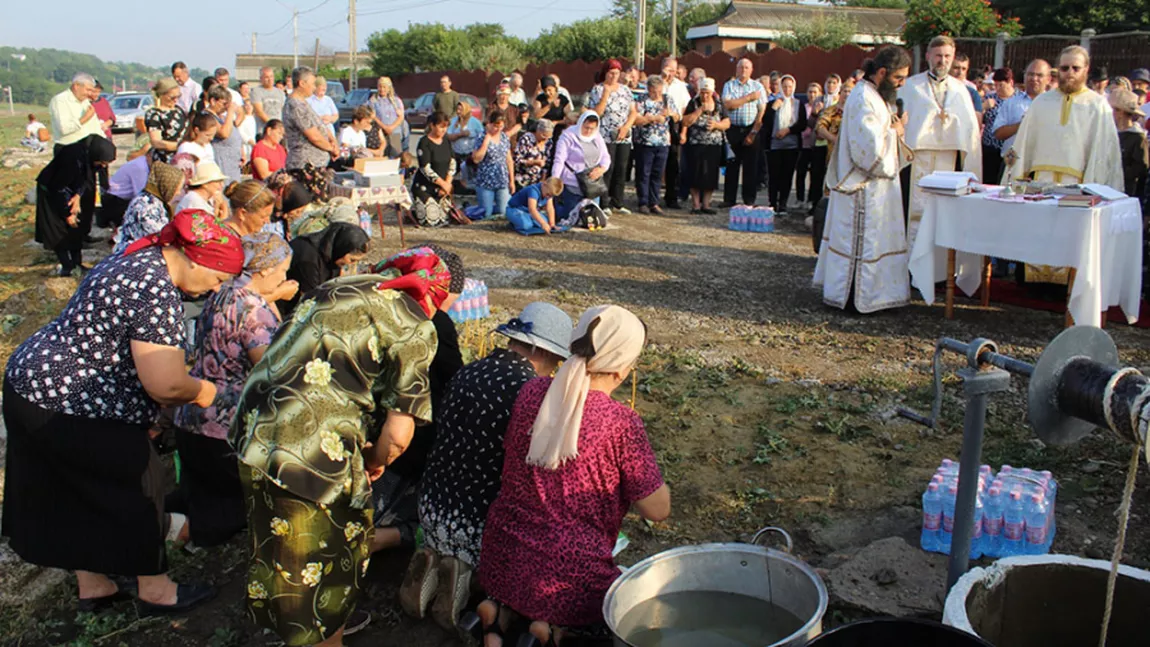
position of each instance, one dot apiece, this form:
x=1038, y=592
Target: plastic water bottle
x=985, y=475
x=756, y=221
x=1035, y=525
x=1013, y=525
x=976, y=538
x=992, y=523
x=1051, y=499
x=946, y=537
x=931, y=518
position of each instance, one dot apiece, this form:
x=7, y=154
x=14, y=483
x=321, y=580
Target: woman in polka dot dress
x=84, y=484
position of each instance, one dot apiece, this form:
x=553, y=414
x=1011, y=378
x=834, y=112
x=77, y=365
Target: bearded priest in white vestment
x=864, y=256
x=942, y=126
x=1068, y=136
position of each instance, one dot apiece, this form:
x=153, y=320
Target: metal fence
x=1118, y=53
x=806, y=65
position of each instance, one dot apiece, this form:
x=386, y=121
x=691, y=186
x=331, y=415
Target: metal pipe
x=969, y=461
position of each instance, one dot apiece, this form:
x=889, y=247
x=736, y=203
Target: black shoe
x=188, y=596
x=695, y=212
x=708, y=211
x=96, y=605
x=725, y=205
x=674, y=205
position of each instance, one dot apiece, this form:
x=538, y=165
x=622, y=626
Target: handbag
x=43, y=135
x=588, y=187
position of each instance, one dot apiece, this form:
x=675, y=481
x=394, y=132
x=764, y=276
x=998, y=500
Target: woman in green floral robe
x=335, y=399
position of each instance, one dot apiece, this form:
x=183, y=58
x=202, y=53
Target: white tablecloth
x=1104, y=244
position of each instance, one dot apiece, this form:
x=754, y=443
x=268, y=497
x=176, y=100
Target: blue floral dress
x=492, y=173
x=144, y=216
x=615, y=115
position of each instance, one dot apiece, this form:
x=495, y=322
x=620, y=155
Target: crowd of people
x=324, y=406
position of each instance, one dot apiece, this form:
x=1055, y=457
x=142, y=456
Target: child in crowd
x=532, y=211
x=198, y=142
x=353, y=137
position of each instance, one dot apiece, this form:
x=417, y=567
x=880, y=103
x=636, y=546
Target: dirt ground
x=764, y=406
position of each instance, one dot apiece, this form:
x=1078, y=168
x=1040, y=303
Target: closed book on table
x=374, y=181
x=376, y=166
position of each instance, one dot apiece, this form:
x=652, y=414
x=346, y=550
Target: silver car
x=128, y=107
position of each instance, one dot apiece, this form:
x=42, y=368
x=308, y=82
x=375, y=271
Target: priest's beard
x=940, y=71
x=1070, y=85
x=888, y=91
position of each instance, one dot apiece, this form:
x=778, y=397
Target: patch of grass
x=794, y=403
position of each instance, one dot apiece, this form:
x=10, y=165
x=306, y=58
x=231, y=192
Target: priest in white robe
x=1068, y=136
x=942, y=128
x=864, y=255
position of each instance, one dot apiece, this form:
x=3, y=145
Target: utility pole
x=352, y=47
x=253, y=42
x=295, y=37
x=674, y=27
x=640, y=33
x=315, y=63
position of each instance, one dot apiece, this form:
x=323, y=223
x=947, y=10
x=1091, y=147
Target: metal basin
x=771, y=575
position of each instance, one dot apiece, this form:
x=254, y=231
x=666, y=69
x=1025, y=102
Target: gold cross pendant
x=942, y=115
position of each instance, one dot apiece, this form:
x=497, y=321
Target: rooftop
x=762, y=19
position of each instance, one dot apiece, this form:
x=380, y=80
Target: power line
x=277, y=30
x=315, y=7
x=411, y=6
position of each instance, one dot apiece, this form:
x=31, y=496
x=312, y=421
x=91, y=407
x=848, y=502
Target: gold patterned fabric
x=350, y=353
x=308, y=560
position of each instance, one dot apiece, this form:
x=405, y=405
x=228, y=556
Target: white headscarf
x=788, y=113
x=587, y=114
x=618, y=340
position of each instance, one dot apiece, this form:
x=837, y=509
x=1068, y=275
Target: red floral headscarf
x=202, y=239
x=423, y=276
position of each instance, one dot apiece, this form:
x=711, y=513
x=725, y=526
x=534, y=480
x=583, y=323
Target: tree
x=825, y=30
x=926, y=19
x=502, y=56
x=590, y=40
x=1072, y=16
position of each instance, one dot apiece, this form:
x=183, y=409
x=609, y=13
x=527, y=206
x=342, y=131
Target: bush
x=926, y=19
x=825, y=30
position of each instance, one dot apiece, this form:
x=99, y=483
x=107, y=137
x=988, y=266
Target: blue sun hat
x=543, y=326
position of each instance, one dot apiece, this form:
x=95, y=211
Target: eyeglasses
x=1067, y=68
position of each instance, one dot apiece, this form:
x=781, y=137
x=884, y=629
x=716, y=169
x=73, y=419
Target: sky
x=209, y=33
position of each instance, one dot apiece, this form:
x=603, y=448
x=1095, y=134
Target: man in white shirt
x=71, y=111
x=190, y=91
x=518, y=96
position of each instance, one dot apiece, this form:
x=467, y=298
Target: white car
x=128, y=107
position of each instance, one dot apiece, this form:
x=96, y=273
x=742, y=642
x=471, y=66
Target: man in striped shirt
x=746, y=101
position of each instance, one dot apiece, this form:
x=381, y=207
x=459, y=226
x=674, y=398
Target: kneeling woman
x=353, y=358
x=547, y=555
x=85, y=488
x=232, y=333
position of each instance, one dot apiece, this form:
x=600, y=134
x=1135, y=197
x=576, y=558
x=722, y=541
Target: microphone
x=898, y=104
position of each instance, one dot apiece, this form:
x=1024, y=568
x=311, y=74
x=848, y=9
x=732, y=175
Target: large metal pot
x=746, y=569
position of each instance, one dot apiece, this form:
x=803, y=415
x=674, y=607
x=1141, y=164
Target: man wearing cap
x=1098, y=80
x=1010, y=112
x=464, y=471
x=942, y=127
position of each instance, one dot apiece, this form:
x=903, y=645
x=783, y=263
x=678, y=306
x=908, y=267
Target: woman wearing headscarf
x=615, y=105
x=233, y=331
x=149, y=211
x=66, y=198
x=705, y=120
x=466, y=464
x=316, y=424
x=790, y=120
x=578, y=149
x=320, y=257
x=292, y=200
x=78, y=405
x=546, y=555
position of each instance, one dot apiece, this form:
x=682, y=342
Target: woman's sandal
x=529, y=639
x=471, y=629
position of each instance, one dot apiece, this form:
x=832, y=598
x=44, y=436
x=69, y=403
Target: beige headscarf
x=788, y=113
x=618, y=340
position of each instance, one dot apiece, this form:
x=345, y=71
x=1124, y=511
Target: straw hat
x=541, y=325
x=1124, y=100
x=207, y=172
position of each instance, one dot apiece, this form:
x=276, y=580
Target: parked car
x=353, y=100
x=128, y=107
x=417, y=115
x=335, y=91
